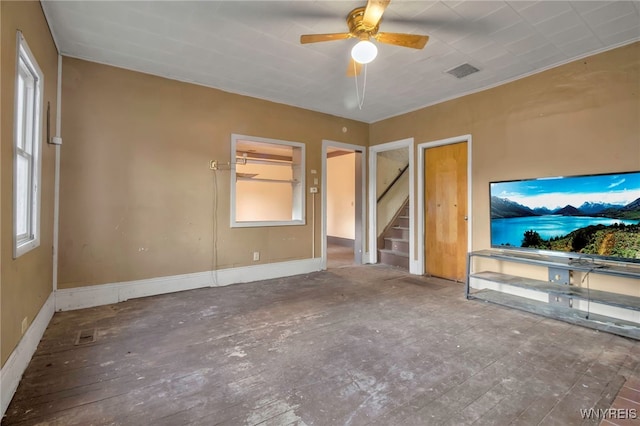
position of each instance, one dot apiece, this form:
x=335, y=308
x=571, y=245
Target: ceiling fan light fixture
x=364, y=52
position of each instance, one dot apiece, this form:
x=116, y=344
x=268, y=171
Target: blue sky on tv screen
x=620, y=189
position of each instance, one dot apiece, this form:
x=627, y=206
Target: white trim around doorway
x=422, y=147
x=323, y=232
x=373, y=232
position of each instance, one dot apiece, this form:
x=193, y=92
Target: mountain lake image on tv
x=595, y=215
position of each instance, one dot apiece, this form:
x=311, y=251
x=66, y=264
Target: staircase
x=395, y=240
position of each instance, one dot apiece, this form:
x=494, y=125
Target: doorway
x=383, y=217
x=445, y=207
x=343, y=219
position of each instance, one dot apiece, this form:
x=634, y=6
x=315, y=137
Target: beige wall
x=341, y=195
x=26, y=282
x=137, y=197
x=579, y=118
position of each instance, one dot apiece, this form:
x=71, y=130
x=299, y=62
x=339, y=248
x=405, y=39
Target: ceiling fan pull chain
x=364, y=85
x=356, y=81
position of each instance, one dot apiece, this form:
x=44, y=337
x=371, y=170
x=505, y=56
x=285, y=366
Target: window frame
x=299, y=193
x=32, y=148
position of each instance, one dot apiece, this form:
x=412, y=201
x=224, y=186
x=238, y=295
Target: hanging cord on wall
x=594, y=266
x=313, y=226
x=586, y=277
x=588, y=261
x=364, y=84
x=214, y=255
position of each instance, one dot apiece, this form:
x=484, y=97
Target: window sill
x=25, y=247
x=267, y=223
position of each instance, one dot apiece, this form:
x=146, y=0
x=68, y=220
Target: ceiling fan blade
x=373, y=12
x=315, y=38
x=414, y=41
x=354, y=68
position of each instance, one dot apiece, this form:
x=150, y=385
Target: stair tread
x=404, y=240
x=573, y=316
x=397, y=253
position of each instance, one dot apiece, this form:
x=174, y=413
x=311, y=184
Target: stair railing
x=393, y=182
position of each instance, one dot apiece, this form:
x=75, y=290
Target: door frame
x=373, y=211
x=422, y=148
x=323, y=189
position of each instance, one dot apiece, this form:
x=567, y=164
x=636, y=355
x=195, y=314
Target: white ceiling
x=252, y=47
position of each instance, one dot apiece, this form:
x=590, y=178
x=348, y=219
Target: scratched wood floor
x=355, y=345
x=339, y=257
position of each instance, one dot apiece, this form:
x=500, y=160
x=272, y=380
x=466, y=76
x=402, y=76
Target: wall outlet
x=256, y=256
x=25, y=324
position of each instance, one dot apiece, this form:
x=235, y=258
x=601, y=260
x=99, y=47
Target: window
x=267, y=182
x=26, y=158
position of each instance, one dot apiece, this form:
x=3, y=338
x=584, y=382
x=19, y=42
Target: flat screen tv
x=592, y=216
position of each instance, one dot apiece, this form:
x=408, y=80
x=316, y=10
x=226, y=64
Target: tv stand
x=557, y=297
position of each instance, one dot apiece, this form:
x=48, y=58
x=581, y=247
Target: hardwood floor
x=339, y=256
x=355, y=345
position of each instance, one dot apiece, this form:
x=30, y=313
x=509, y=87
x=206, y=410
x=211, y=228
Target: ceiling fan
x=363, y=23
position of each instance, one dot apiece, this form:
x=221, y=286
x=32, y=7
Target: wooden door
x=446, y=211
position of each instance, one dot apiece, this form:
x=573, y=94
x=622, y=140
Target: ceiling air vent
x=462, y=70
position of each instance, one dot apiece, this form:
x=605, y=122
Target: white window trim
x=22, y=247
x=301, y=201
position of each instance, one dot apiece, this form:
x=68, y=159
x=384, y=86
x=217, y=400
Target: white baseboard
x=104, y=294
x=608, y=310
x=266, y=271
x=19, y=359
